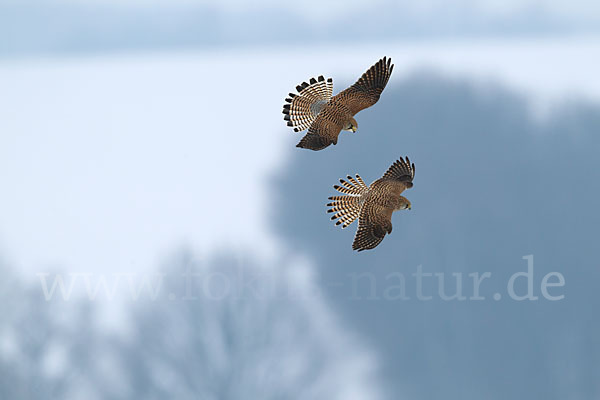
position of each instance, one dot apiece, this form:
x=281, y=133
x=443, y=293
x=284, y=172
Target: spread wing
x=366, y=91
x=374, y=222
x=401, y=173
x=322, y=132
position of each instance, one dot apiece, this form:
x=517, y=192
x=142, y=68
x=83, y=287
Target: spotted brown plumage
x=372, y=205
x=324, y=116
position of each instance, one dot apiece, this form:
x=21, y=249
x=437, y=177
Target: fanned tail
x=347, y=208
x=301, y=109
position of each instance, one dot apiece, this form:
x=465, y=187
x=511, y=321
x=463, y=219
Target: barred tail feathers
x=301, y=109
x=347, y=208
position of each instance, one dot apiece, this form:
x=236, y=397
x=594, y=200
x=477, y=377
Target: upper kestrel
x=373, y=205
x=326, y=116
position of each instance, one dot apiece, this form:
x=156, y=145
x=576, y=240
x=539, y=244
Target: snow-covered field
x=107, y=163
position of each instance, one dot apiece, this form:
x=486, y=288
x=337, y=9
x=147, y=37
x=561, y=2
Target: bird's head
x=352, y=125
x=404, y=204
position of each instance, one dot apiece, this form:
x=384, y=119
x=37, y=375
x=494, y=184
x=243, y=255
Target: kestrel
x=373, y=205
x=324, y=116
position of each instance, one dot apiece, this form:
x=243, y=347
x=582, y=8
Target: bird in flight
x=373, y=205
x=324, y=116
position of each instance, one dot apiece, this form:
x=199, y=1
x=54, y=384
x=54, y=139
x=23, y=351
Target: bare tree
x=229, y=329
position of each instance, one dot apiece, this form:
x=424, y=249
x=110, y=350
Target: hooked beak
x=353, y=129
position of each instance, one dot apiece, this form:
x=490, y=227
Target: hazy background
x=162, y=238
